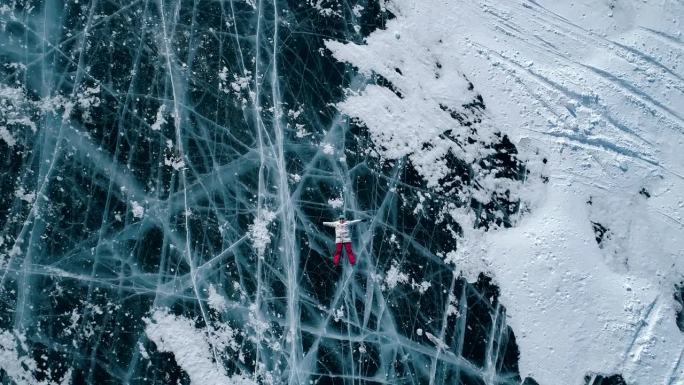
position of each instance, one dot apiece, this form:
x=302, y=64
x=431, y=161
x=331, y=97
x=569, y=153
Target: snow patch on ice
x=470, y=257
x=216, y=301
x=137, y=209
x=190, y=347
x=25, y=196
x=19, y=367
x=259, y=233
x=338, y=314
x=336, y=203
x=452, y=307
x=327, y=148
x=326, y=7
x=598, y=90
x=252, y=3
x=7, y=137
x=422, y=287
x=160, y=119
x=356, y=9
x=394, y=276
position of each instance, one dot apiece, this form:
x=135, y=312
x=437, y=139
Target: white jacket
x=341, y=230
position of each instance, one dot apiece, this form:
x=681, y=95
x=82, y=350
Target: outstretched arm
x=356, y=221
x=329, y=224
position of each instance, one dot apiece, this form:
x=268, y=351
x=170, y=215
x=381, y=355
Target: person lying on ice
x=342, y=237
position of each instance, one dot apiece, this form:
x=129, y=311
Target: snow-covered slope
x=592, y=94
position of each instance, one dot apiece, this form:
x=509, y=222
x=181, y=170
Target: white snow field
x=597, y=88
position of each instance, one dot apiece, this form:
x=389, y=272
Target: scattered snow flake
x=257, y=324
x=241, y=82
x=336, y=203
x=326, y=7
x=394, y=276
x=301, y=131
x=422, y=287
x=452, y=309
x=137, y=210
x=357, y=10
x=338, y=314
x=259, y=233
x=160, y=120
x=216, y=300
x=175, y=162
x=327, y=148
x=223, y=337
x=86, y=100
x=20, y=367
x=23, y=195
x=223, y=75
x=143, y=351
x=73, y=321
x=7, y=137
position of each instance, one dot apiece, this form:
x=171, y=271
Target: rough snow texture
x=394, y=276
x=190, y=348
x=21, y=368
x=259, y=232
x=596, y=89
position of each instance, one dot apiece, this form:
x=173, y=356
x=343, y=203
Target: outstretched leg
x=350, y=253
x=338, y=251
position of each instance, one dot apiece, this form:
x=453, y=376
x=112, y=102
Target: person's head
x=340, y=217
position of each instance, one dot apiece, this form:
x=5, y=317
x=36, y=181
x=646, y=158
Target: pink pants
x=338, y=251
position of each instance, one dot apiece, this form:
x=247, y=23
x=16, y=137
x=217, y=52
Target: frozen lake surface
x=166, y=166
